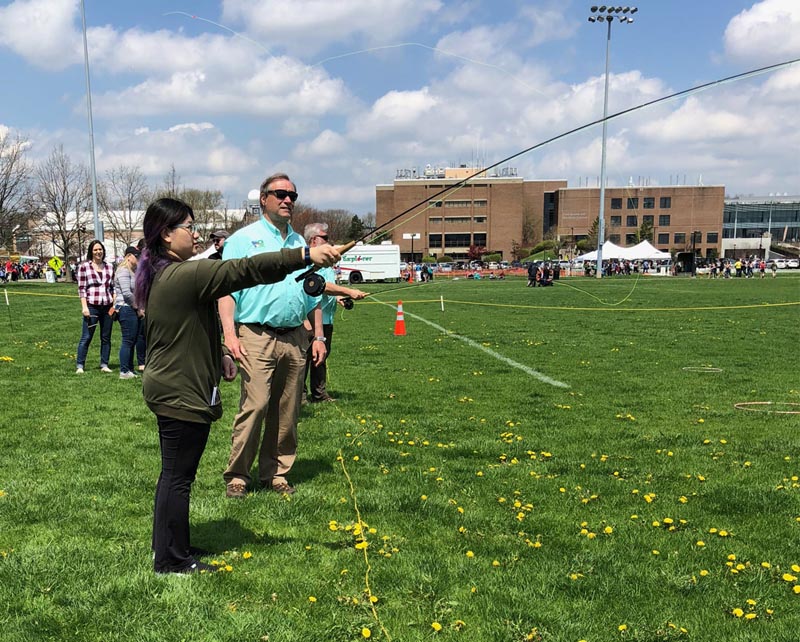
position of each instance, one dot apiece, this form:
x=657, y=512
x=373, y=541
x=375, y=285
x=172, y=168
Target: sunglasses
x=281, y=194
x=324, y=237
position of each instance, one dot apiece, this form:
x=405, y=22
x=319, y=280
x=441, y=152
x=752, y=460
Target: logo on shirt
x=258, y=243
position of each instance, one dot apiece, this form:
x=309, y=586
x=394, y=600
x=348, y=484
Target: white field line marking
x=514, y=364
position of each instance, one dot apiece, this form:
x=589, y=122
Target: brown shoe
x=283, y=488
x=236, y=490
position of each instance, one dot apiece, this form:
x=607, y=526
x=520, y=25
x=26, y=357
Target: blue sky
x=254, y=86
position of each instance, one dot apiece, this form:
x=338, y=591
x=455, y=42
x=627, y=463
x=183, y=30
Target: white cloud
x=767, y=32
x=327, y=143
x=548, y=24
x=308, y=26
x=42, y=32
x=393, y=113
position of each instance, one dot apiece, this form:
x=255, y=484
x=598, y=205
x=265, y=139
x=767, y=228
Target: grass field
x=556, y=464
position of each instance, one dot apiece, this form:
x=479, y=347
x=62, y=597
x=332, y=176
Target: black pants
x=317, y=376
x=182, y=445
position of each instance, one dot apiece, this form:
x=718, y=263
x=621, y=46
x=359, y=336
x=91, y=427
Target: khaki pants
x=272, y=376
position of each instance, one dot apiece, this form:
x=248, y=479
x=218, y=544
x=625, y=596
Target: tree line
x=54, y=197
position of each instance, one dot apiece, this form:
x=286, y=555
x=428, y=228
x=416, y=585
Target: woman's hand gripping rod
x=313, y=283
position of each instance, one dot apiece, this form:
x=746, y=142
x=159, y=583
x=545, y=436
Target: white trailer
x=370, y=263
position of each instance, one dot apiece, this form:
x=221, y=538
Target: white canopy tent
x=642, y=251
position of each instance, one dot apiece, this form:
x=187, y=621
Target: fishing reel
x=314, y=284
x=347, y=303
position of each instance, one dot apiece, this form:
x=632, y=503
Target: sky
x=340, y=95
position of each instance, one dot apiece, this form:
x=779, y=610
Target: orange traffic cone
x=400, y=322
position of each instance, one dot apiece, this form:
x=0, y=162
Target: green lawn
x=632, y=502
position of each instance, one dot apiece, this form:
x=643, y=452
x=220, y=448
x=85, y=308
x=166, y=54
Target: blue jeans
x=129, y=323
x=98, y=315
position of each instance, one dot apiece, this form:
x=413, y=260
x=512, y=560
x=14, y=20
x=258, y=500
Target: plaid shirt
x=97, y=288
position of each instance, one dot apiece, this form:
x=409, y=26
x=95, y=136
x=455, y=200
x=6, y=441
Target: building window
x=663, y=238
x=648, y=219
x=630, y=239
x=665, y=202
x=632, y=220
x=479, y=238
x=480, y=203
x=614, y=238
x=649, y=202
x=479, y=219
x=456, y=240
x=616, y=221
x=616, y=203
x=435, y=219
x=679, y=238
x=457, y=219
x=435, y=240
x=457, y=203
x=436, y=203
x=663, y=220
x=633, y=202
x=712, y=237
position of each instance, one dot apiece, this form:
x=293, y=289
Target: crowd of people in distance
x=11, y=271
x=746, y=267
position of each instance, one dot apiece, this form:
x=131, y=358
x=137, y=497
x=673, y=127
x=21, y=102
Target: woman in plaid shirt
x=96, y=292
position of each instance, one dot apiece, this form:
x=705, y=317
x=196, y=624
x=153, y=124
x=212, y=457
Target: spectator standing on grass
x=316, y=235
x=96, y=292
x=186, y=360
x=774, y=268
x=131, y=319
x=267, y=330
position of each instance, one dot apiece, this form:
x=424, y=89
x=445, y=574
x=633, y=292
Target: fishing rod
x=318, y=284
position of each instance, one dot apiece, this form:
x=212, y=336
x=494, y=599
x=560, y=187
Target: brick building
x=491, y=210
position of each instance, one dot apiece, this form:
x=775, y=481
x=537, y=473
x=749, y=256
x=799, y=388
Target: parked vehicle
x=780, y=264
x=494, y=265
x=793, y=263
x=371, y=263
x=445, y=267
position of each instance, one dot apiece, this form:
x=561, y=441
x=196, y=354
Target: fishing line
x=625, y=298
x=575, y=130
x=441, y=51
x=221, y=26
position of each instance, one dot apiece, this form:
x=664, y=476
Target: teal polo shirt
x=280, y=305
x=328, y=301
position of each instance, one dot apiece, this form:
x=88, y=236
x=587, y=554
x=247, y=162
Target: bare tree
x=15, y=173
x=61, y=193
x=171, y=186
x=122, y=197
x=206, y=205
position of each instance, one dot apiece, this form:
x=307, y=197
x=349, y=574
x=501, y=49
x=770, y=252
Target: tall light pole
x=98, y=226
x=606, y=14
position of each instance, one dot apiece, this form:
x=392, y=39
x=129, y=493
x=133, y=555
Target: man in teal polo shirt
x=266, y=328
x=316, y=234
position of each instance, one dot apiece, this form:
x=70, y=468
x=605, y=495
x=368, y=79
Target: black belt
x=264, y=326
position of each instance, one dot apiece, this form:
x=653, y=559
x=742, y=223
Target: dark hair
x=165, y=213
x=91, y=248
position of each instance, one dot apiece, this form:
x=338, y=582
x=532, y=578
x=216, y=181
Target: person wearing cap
x=218, y=239
x=130, y=318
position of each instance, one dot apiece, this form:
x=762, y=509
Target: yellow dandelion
x=436, y=626
x=703, y=573
x=373, y=599
x=470, y=554
x=424, y=497
x=228, y=568
x=622, y=627
x=766, y=565
x=362, y=545
x=366, y=633
x=796, y=589
x=750, y=616
x=608, y=530
x=751, y=602
x=796, y=568
x=247, y=555
x=656, y=552
x=495, y=563
x=737, y=612
x=700, y=543
x=788, y=577
x=312, y=599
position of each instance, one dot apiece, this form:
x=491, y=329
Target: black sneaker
x=198, y=567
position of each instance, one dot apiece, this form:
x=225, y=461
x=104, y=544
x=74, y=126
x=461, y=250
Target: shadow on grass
x=306, y=469
x=227, y=534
